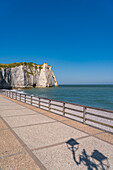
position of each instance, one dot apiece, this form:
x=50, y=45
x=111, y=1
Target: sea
x=100, y=96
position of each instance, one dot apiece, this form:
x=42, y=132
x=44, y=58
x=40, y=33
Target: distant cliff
x=26, y=75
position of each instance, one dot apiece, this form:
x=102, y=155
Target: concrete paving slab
x=15, y=112
x=54, y=116
x=47, y=134
x=106, y=137
x=9, y=144
x=18, y=162
x=2, y=103
x=2, y=125
x=27, y=120
x=9, y=107
x=82, y=127
x=8, y=103
x=89, y=153
x=3, y=99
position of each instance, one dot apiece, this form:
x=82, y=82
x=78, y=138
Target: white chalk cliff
x=25, y=76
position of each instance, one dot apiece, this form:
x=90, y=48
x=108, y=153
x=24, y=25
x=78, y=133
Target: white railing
x=99, y=118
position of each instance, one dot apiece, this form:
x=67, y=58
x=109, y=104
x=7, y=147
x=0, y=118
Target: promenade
x=31, y=138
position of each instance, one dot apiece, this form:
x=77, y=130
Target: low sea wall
x=96, y=117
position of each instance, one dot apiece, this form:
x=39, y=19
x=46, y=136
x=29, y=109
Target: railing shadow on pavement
x=95, y=161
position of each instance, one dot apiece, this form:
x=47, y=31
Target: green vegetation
x=30, y=65
x=28, y=72
x=40, y=67
x=35, y=67
x=12, y=65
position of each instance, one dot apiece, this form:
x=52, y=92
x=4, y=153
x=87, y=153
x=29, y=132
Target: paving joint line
x=33, y=124
x=36, y=160
x=21, y=115
x=8, y=156
x=60, y=143
x=4, y=129
x=12, y=109
x=102, y=131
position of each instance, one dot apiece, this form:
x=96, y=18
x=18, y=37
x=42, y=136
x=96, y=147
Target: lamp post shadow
x=95, y=161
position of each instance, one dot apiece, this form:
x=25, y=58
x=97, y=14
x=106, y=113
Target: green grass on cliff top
x=30, y=64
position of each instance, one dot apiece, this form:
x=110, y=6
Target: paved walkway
x=31, y=138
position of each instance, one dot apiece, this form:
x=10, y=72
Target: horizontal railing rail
x=99, y=118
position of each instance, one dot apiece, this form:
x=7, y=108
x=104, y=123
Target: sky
x=74, y=36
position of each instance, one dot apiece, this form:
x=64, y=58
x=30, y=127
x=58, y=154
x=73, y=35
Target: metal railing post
x=20, y=97
x=84, y=115
x=10, y=94
x=39, y=102
x=16, y=96
x=25, y=98
x=49, y=105
x=63, y=109
x=31, y=100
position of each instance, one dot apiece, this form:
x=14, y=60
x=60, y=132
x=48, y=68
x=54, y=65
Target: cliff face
x=25, y=75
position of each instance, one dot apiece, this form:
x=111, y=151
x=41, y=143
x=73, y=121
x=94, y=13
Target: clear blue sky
x=74, y=36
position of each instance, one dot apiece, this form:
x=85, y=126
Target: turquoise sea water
x=100, y=96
